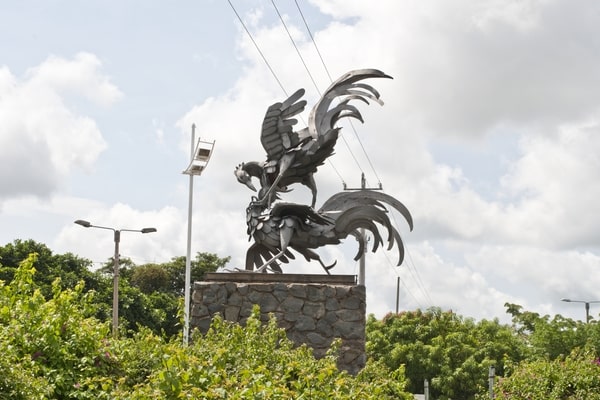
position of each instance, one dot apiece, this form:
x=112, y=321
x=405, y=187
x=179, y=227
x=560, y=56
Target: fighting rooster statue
x=299, y=227
x=293, y=157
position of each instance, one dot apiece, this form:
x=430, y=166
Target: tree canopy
x=149, y=294
x=56, y=349
x=453, y=353
x=55, y=343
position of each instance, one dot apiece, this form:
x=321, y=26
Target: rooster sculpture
x=278, y=228
x=294, y=156
x=299, y=227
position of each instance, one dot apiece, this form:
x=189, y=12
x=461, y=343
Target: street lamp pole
x=587, y=306
x=200, y=153
x=115, y=310
x=117, y=240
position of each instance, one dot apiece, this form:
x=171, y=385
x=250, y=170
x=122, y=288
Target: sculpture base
x=283, y=278
x=313, y=309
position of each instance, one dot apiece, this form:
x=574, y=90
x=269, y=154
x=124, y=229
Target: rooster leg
x=327, y=267
x=285, y=235
x=310, y=182
x=284, y=164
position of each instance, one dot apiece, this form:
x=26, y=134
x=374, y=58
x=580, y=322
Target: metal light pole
x=587, y=306
x=199, y=156
x=117, y=239
x=362, y=261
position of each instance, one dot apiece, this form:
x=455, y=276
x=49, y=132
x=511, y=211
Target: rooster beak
x=250, y=185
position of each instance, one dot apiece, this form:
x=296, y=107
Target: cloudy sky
x=489, y=135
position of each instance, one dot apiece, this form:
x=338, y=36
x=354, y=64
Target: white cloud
x=465, y=67
x=556, y=187
x=43, y=139
x=80, y=76
x=470, y=70
x=488, y=134
x=97, y=244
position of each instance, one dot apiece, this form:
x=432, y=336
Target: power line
x=350, y=121
x=313, y=40
x=273, y=72
x=257, y=48
x=295, y=47
x=365, y=152
x=314, y=83
x=414, y=272
x=418, y=277
x=311, y=77
x=395, y=270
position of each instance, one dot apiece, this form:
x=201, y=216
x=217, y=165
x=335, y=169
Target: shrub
x=576, y=376
x=54, y=349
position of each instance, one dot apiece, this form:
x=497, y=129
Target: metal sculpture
x=299, y=227
x=294, y=157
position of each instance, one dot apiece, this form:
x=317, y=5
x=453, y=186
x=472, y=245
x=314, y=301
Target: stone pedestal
x=313, y=309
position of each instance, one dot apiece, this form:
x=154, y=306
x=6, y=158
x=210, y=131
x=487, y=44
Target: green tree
x=149, y=295
x=68, y=267
x=152, y=293
x=550, y=338
x=452, y=352
x=55, y=349
x=151, y=278
x=576, y=377
x=53, y=344
x=200, y=265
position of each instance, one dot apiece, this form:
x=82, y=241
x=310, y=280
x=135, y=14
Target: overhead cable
x=257, y=48
x=295, y=47
x=331, y=80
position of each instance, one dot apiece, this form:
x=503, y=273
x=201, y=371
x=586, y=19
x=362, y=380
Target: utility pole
x=491, y=376
x=361, y=268
x=397, y=294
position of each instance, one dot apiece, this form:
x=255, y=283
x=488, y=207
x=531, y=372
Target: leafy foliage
x=52, y=345
x=551, y=338
x=68, y=267
x=576, y=376
x=255, y=361
x=149, y=294
x=453, y=353
x=56, y=349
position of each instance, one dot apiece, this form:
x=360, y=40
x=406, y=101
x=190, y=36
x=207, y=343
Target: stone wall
x=310, y=310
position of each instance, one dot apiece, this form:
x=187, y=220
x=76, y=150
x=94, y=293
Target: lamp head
x=83, y=223
x=148, y=230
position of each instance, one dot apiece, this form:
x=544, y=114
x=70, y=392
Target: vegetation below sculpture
x=56, y=349
x=56, y=343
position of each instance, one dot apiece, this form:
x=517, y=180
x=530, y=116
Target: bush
x=54, y=349
x=51, y=346
x=255, y=361
x=576, y=376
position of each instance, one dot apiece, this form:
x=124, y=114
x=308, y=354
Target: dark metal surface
x=277, y=228
x=283, y=278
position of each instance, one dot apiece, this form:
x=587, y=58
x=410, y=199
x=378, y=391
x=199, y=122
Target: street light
x=117, y=239
x=587, y=306
x=199, y=157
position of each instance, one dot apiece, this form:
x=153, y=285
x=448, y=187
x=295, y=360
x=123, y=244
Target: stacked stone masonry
x=314, y=314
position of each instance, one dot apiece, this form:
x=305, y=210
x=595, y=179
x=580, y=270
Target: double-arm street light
x=117, y=239
x=587, y=306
